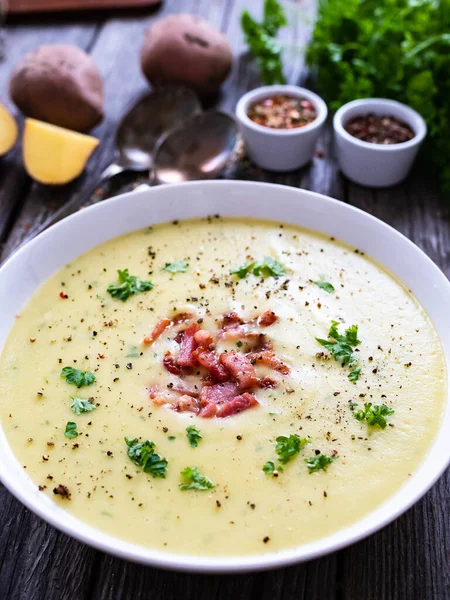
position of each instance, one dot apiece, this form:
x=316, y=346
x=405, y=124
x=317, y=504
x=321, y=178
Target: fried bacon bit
x=188, y=345
x=181, y=318
x=208, y=359
x=182, y=389
x=267, y=357
x=63, y=295
x=267, y=383
x=63, y=491
x=170, y=364
x=159, y=328
x=203, y=338
x=267, y=318
x=237, y=405
x=218, y=393
x=186, y=404
x=240, y=367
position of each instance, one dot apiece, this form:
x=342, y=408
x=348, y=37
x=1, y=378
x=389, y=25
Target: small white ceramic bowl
x=376, y=165
x=280, y=149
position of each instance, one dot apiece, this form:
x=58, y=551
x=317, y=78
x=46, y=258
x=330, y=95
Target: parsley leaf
x=178, y=266
x=128, y=286
x=193, y=480
x=143, y=454
x=80, y=405
x=71, y=430
x=288, y=447
x=78, y=378
x=193, y=435
x=341, y=346
x=324, y=285
x=319, y=463
x=261, y=40
x=270, y=469
x=269, y=267
x=354, y=375
x=374, y=415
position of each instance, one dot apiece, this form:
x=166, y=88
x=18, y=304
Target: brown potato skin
x=186, y=50
x=59, y=84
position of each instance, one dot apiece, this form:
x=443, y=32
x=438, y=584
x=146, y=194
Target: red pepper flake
x=100, y=355
x=63, y=295
x=379, y=129
x=282, y=112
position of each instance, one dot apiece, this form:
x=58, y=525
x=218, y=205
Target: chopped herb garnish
x=128, y=285
x=178, y=266
x=193, y=435
x=324, y=285
x=239, y=344
x=288, y=447
x=270, y=469
x=193, y=480
x=71, y=430
x=269, y=267
x=354, y=375
x=319, y=463
x=374, y=415
x=78, y=378
x=341, y=346
x=143, y=454
x=80, y=405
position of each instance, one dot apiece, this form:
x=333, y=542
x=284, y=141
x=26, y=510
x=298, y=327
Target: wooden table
x=409, y=559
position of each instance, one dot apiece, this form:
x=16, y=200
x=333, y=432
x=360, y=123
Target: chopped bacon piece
x=162, y=395
x=267, y=357
x=170, y=364
x=267, y=318
x=231, y=319
x=186, y=404
x=203, y=338
x=182, y=389
x=181, y=318
x=188, y=345
x=218, y=393
x=237, y=405
x=240, y=367
x=208, y=358
x=159, y=328
x=179, y=337
x=267, y=382
x=209, y=411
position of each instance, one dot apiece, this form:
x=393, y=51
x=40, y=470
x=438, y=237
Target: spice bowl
x=376, y=164
x=280, y=149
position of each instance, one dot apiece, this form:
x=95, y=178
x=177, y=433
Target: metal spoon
x=136, y=136
x=197, y=149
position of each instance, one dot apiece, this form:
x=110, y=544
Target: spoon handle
x=76, y=203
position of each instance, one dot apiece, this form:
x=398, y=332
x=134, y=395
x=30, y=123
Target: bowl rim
x=410, y=116
x=271, y=90
x=17, y=481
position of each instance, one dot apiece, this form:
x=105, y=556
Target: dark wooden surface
x=409, y=559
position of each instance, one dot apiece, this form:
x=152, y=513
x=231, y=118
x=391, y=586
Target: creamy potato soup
x=221, y=386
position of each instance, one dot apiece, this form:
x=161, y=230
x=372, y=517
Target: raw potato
x=8, y=130
x=59, y=84
x=186, y=50
x=54, y=155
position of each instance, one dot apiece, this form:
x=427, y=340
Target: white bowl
x=62, y=243
x=280, y=149
x=376, y=165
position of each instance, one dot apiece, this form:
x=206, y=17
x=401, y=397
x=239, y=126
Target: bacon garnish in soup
x=225, y=382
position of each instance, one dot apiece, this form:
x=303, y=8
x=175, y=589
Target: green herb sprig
x=77, y=377
x=178, y=266
x=269, y=267
x=143, y=454
x=128, y=286
x=193, y=480
x=341, y=347
x=262, y=42
x=71, y=430
x=193, y=435
x=320, y=462
x=374, y=415
x=81, y=405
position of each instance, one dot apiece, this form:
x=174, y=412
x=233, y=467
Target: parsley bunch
x=262, y=42
x=319, y=463
x=77, y=377
x=193, y=480
x=143, y=454
x=398, y=49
